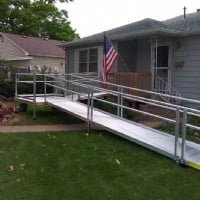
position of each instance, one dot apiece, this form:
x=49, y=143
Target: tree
x=53, y=1
x=38, y=18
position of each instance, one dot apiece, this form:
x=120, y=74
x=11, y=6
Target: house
x=26, y=52
x=165, y=55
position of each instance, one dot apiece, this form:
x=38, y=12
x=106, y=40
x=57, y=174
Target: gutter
x=149, y=33
x=18, y=58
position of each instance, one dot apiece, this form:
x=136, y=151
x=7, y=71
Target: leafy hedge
x=113, y=109
x=7, y=89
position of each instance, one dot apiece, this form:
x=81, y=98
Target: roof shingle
x=177, y=26
x=37, y=46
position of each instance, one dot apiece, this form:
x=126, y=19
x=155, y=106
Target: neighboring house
x=26, y=52
x=166, y=51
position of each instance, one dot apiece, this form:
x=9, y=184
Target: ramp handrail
x=163, y=87
x=66, y=82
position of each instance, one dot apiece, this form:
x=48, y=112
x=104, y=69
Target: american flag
x=109, y=57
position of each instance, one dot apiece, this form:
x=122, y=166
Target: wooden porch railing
x=141, y=80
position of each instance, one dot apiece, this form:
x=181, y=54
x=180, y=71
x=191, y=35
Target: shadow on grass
x=44, y=115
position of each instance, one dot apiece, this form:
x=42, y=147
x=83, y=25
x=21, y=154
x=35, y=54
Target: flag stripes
x=109, y=57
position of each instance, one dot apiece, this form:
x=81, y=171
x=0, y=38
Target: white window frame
x=88, y=57
x=100, y=58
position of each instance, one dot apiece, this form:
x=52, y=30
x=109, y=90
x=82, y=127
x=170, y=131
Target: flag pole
x=109, y=57
x=104, y=57
x=123, y=62
x=120, y=57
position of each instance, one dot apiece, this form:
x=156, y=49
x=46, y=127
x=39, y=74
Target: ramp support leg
x=177, y=132
x=88, y=113
x=184, y=121
x=34, y=95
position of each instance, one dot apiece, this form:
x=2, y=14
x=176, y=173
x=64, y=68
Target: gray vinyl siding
x=143, y=56
x=186, y=79
x=128, y=53
x=135, y=56
x=70, y=61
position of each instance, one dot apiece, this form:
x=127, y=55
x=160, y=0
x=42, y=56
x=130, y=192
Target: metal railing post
x=177, y=127
x=56, y=83
x=88, y=111
x=118, y=102
x=45, y=88
x=34, y=95
x=92, y=105
x=16, y=92
x=184, y=128
x=16, y=82
x=121, y=103
x=67, y=82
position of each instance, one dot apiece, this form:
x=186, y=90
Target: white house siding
x=42, y=61
x=49, y=62
x=186, y=79
x=9, y=50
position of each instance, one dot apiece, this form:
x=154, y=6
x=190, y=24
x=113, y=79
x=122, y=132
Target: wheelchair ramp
x=158, y=141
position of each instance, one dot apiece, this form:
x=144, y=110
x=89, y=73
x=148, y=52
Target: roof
x=185, y=26
x=177, y=27
x=36, y=46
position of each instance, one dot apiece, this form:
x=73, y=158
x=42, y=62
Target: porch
x=146, y=63
x=144, y=81
x=139, y=80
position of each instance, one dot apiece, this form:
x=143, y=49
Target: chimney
x=184, y=12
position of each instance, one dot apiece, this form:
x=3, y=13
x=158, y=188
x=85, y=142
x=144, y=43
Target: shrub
x=128, y=114
x=7, y=89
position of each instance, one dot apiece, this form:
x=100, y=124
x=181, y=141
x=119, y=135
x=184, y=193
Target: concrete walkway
x=42, y=128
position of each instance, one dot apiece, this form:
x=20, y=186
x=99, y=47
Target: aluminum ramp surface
x=155, y=140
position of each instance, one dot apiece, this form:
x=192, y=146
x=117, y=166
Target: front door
x=161, y=67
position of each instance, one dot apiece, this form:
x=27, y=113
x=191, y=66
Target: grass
x=78, y=165
x=191, y=134
x=44, y=115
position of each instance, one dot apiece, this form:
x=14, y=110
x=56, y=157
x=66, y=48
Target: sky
x=88, y=17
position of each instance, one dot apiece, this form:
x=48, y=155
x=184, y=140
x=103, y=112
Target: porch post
x=154, y=43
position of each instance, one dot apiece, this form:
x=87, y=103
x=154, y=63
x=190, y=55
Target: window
x=24, y=70
x=83, y=61
x=88, y=60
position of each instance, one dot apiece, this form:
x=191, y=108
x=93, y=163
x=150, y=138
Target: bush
x=194, y=120
x=7, y=89
x=7, y=78
x=27, y=88
x=128, y=114
x=23, y=107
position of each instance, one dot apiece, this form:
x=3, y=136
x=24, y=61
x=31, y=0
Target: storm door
x=161, y=67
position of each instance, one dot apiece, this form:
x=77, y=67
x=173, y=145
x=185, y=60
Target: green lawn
x=98, y=166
